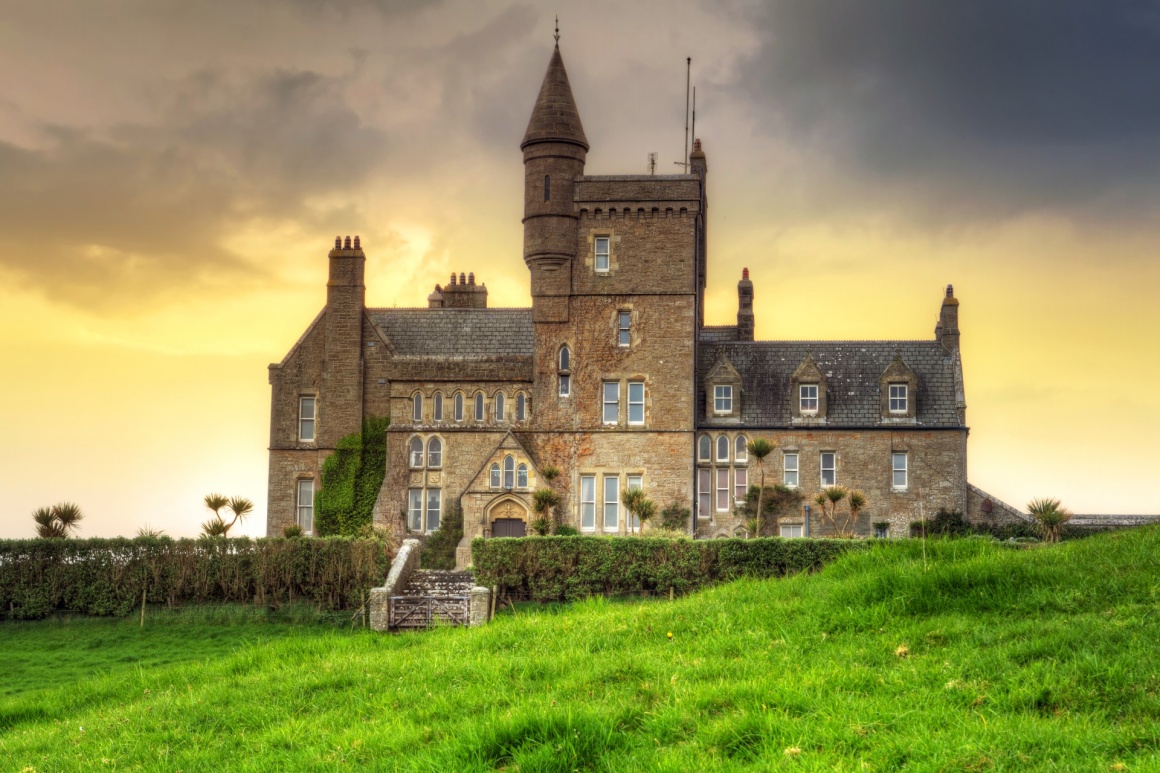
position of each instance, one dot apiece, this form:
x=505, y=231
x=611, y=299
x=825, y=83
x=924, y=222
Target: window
x=416, y=450
x=704, y=449
x=306, y=407
x=433, y=502
x=623, y=325
x=809, y=399
x=434, y=452
x=611, y=502
x=636, y=482
x=790, y=465
x=741, y=455
x=900, y=469
x=722, y=489
x=479, y=407
x=499, y=407
x=898, y=398
x=829, y=469
x=588, y=502
x=704, y=494
x=636, y=402
x=723, y=399
x=723, y=449
x=547, y=188
x=437, y=411
x=415, y=508
x=565, y=371
x=881, y=531
x=417, y=408
x=306, y=506
x=602, y=254
x=611, y=402
x=521, y=407
x=791, y=530
x=740, y=483
x=458, y=407
x=495, y=481
x=509, y=472
x=522, y=476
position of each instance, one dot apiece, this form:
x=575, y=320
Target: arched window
x=547, y=188
x=495, y=475
x=741, y=455
x=522, y=476
x=434, y=452
x=509, y=472
x=521, y=407
x=458, y=406
x=499, y=406
x=478, y=407
x=437, y=409
x=704, y=449
x=417, y=407
x=416, y=448
x=565, y=374
x=722, y=449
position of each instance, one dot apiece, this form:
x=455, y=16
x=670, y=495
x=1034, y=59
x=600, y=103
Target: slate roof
x=555, y=117
x=719, y=334
x=852, y=370
x=470, y=334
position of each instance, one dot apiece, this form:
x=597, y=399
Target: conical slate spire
x=555, y=117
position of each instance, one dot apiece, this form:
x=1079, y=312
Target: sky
x=172, y=175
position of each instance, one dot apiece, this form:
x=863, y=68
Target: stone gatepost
x=480, y=606
x=405, y=563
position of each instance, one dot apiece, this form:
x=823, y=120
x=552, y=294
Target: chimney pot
x=745, y=273
x=452, y=278
x=346, y=243
x=471, y=278
x=356, y=244
x=462, y=278
x=338, y=242
x=950, y=291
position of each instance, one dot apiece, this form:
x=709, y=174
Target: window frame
x=509, y=472
x=741, y=450
x=564, y=371
x=416, y=456
x=722, y=396
x=479, y=409
x=435, y=453
x=588, y=503
x=435, y=494
x=598, y=254
x=722, y=493
x=791, y=527
x=417, y=408
x=305, y=523
x=634, y=521
x=457, y=412
x=605, y=403
x=786, y=469
x=498, y=406
x=415, y=514
x=623, y=328
x=833, y=468
x=495, y=477
x=705, y=493
x=303, y=400
x=611, y=505
x=638, y=403
x=521, y=407
x=904, y=398
x=521, y=476
x=895, y=469
x=721, y=441
x=437, y=407
x=704, y=449
x=740, y=484
x=815, y=399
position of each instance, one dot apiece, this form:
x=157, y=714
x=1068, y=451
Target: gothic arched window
x=435, y=452
x=565, y=372
x=521, y=407
x=479, y=407
x=499, y=406
x=458, y=406
x=437, y=407
x=416, y=449
x=522, y=476
x=495, y=475
x=704, y=449
x=417, y=407
x=509, y=472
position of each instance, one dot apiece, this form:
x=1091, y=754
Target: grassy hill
x=964, y=656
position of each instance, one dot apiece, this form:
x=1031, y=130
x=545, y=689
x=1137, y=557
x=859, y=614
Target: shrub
x=439, y=550
x=566, y=531
x=566, y=568
x=292, y=532
x=541, y=527
x=675, y=517
x=946, y=523
x=108, y=576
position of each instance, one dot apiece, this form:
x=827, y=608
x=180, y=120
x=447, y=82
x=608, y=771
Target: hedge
x=568, y=568
x=107, y=576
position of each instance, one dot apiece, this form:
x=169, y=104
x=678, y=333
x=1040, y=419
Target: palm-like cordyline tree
x=1051, y=515
x=759, y=448
x=217, y=526
x=544, y=502
x=58, y=521
x=827, y=499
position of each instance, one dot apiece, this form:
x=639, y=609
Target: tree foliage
x=1051, y=515
x=58, y=521
x=775, y=501
x=351, y=478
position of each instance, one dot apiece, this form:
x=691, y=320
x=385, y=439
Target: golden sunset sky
x=172, y=175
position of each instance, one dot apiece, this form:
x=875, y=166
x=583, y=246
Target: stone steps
x=438, y=583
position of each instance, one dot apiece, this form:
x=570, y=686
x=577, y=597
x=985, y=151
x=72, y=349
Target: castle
x=613, y=378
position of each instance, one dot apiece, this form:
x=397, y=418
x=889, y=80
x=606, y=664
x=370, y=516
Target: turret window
x=565, y=371
x=547, y=188
x=602, y=262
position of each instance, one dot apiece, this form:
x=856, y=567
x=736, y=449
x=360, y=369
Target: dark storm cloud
x=140, y=209
x=988, y=107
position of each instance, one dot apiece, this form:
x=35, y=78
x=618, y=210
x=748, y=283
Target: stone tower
x=554, y=149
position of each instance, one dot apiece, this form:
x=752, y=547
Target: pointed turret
x=555, y=117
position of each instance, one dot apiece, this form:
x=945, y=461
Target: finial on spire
x=557, y=35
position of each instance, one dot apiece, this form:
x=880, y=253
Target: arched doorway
x=508, y=518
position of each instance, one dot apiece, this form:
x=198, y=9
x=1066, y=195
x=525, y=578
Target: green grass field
x=978, y=657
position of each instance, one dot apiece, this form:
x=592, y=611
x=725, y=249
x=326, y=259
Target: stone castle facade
x=612, y=378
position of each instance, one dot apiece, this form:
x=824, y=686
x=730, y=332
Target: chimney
x=462, y=294
x=697, y=162
x=745, y=321
x=946, y=331
x=435, y=299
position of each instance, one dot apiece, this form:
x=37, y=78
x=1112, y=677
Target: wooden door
x=509, y=527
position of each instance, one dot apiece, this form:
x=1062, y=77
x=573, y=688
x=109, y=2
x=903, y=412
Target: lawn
x=963, y=655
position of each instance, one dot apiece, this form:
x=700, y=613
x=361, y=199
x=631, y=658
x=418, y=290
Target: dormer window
x=723, y=399
x=899, y=398
x=602, y=263
x=808, y=399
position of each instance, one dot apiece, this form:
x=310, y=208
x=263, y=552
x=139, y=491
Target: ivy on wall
x=351, y=478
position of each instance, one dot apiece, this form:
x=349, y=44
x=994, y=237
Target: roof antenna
x=694, y=115
x=557, y=35
x=652, y=163
x=684, y=162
